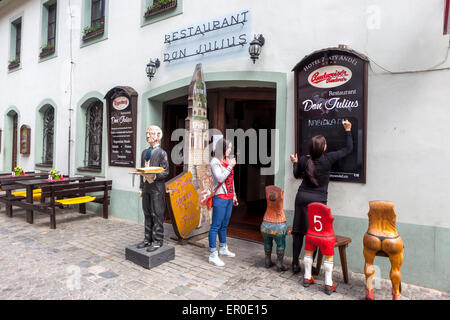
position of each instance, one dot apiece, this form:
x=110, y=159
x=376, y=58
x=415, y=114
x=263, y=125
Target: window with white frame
x=16, y=43
x=94, y=19
x=49, y=26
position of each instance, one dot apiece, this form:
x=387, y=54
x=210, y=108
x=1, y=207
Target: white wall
x=407, y=156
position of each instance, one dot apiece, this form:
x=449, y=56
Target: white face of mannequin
x=152, y=137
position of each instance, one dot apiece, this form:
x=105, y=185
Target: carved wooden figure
x=274, y=227
x=382, y=239
x=320, y=234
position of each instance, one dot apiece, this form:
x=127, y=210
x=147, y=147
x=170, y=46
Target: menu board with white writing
x=121, y=127
x=331, y=86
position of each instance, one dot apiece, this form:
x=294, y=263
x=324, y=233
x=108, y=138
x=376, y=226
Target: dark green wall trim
x=39, y=134
x=152, y=103
x=7, y=145
x=125, y=205
x=80, y=143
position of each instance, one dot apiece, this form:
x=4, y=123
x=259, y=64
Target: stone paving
x=84, y=258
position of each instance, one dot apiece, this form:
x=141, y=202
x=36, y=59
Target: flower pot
x=162, y=8
x=46, y=52
x=94, y=33
x=13, y=65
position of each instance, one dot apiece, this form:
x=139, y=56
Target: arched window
x=47, y=145
x=94, y=129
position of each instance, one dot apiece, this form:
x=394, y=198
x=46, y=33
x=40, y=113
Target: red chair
x=321, y=234
x=320, y=229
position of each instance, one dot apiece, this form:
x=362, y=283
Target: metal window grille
x=49, y=122
x=93, y=142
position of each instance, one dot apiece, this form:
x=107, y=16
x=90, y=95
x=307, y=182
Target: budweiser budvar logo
x=120, y=103
x=330, y=76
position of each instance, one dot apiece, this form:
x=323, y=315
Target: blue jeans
x=220, y=218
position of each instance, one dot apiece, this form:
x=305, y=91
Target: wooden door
x=247, y=108
x=174, y=118
x=14, y=143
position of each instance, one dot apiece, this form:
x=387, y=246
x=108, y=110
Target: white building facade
x=48, y=70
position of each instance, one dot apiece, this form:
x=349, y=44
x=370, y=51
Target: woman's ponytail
x=310, y=171
x=315, y=149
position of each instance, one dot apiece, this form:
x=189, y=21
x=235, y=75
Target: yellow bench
x=77, y=200
x=36, y=194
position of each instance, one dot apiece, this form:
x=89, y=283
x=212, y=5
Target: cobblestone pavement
x=84, y=258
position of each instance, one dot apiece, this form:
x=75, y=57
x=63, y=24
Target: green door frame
x=152, y=103
x=7, y=137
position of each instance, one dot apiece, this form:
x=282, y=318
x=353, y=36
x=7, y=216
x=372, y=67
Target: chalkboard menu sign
x=122, y=109
x=331, y=86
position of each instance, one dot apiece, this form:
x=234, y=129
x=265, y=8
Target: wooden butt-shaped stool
x=382, y=239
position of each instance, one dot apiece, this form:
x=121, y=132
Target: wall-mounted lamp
x=255, y=47
x=151, y=68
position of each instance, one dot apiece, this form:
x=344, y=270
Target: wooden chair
x=382, y=239
x=342, y=243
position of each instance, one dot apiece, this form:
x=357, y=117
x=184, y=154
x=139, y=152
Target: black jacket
x=157, y=159
x=322, y=168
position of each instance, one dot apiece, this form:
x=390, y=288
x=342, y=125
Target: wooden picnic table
x=8, y=183
x=8, y=178
x=31, y=184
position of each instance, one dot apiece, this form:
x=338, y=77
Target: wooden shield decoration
x=183, y=204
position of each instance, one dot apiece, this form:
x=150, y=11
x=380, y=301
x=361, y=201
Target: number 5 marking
x=316, y=220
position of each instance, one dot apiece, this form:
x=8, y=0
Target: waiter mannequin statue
x=152, y=190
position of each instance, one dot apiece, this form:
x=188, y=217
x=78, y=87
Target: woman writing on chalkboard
x=314, y=168
x=222, y=168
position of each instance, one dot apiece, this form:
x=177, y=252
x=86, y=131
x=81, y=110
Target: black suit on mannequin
x=153, y=196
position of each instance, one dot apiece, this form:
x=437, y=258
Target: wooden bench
x=36, y=194
x=63, y=194
x=10, y=183
x=342, y=243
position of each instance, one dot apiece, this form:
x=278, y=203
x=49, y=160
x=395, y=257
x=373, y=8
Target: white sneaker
x=215, y=260
x=225, y=252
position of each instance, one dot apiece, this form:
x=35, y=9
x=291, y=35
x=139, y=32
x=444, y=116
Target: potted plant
x=159, y=6
x=55, y=175
x=93, y=31
x=47, y=50
x=18, y=171
x=13, y=63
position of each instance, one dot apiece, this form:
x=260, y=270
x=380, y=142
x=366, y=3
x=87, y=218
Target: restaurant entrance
x=234, y=108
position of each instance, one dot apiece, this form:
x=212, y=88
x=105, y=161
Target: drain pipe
x=70, y=92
